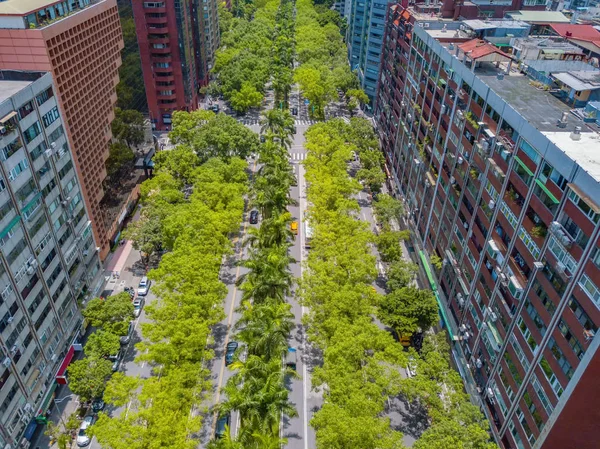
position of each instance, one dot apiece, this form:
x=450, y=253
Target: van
x=291, y=358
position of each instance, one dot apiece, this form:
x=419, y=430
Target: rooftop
x=584, y=151
x=9, y=88
x=477, y=24
x=21, y=7
x=538, y=16
x=540, y=108
x=583, y=80
x=575, y=31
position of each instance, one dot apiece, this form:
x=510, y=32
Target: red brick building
x=79, y=43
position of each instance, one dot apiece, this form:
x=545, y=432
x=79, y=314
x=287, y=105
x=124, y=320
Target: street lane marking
x=231, y=308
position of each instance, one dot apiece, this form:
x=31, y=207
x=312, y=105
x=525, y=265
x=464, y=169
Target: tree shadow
x=410, y=418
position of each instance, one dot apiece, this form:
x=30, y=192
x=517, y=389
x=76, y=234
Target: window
x=50, y=117
x=18, y=169
x=571, y=339
x=530, y=151
x=582, y=317
x=550, y=172
x=25, y=110
x=38, y=151
x=535, y=317
x=565, y=366
x=546, y=301
x=44, y=96
x=590, y=288
x=561, y=254
x=513, y=368
x=583, y=206
x=527, y=334
x=54, y=135
x=32, y=132
x=11, y=148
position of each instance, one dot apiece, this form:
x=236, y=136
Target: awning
x=428, y=271
x=60, y=374
x=30, y=430
x=8, y=116
x=546, y=191
x=49, y=395
x=522, y=164
x=31, y=203
x=10, y=225
x=584, y=197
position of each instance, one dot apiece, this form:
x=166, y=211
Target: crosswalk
x=297, y=156
x=251, y=122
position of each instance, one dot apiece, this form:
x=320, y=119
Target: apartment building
x=79, y=43
x=48, y=256
x=177, y=40
x=501, y=180
x=364, y=37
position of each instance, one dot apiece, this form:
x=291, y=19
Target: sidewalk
x=122, y=268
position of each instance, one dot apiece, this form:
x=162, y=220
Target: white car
x=138, y=305
x=82, y=439
x=144, y=286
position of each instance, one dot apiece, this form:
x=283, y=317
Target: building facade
x=79, y=42
x=48, y=256
x=177, y=40
x=500, y=181
x=364, y=37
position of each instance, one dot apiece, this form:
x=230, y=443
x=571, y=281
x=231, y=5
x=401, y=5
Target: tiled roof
x=479, y=48
x=576, y=31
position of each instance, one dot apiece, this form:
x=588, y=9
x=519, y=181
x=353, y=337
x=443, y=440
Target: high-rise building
x=501, y=180
x=79, y=42
x=47, y=252
x=177, y=40
x=364, y=37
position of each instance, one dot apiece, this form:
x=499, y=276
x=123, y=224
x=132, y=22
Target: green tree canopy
x=88, y=377
x=387, y=209
x=101, y=344
x=128, y=127
x=409, y=310
x=111, y=314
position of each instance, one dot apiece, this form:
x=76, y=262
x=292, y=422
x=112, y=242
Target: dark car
x=294, y=111
x=262, y=138
x=231, y=347
x=215, y=108
x=125, y=339
x=97, y=405
x=253, y=217
x=221, y=423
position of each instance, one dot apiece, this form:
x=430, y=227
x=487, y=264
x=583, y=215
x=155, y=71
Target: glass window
x=32, y=132
x=44, y=96
x=50, y=117
x=583, y=206
x=590, y=288
x=25, y=110
x=560, y=358
x=530, y=151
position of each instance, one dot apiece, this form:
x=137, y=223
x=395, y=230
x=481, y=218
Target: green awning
x=547, y=192
x=47, y=399
x=522, y=164
x=11, y=225
x=502, y=45
x=428, y=271
x=437, y=296
x=31, y=203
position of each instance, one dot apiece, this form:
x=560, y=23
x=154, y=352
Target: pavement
x=123, y=268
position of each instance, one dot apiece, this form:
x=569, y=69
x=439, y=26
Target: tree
x=409, y=310
x=388, y=244
x=111, y=314
x=128, y=127
x=63, y=432
x=119, y=154
x=355, y=98
x=317, y=86
x=451, y=434
x=246, y=98
x=102, y=344
x=400, y=274
x=373, y=178
x=87, y=377
x=145, y=233
x=387, y=208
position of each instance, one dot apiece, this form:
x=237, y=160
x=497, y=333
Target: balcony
x=158, y=39
x=158, y=29
x=156, y=20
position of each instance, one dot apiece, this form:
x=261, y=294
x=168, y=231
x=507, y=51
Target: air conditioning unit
x=48, y=153
x=452, y=180
x=10, y=319
x=493, y=317
x=85, y=253
x=492, y=249
x=28, y=408
x=97, y=249
x=54, y=358
x=463, y=328
x=425, y=25
x=30, y=270
x=460, y=160
x=14, y=349
x=25, y=419
x=443, y=109
x=515, y=288
x=6, y=362
x=492, y=204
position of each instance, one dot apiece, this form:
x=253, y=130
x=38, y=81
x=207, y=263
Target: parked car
x=221, y=423
x=262, y=138
x=291, y=358
x=215, y=108
x=98, y=405
x=294, y=111
x=144, y=286
x=82, y=438
x=124, y=339
x=131, y=291
x=230, y=352
x=116, y=359
x=253, y=216
x=138, y=305
x=294, y=227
